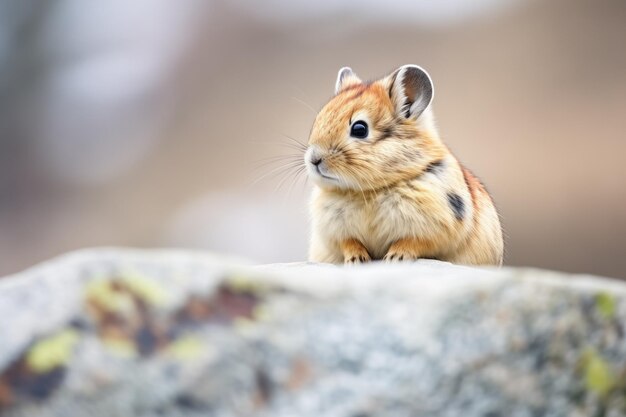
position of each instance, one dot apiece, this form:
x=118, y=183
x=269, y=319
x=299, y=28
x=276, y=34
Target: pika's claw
x=404, y=250
x=354, y=252
x=399, y=257
x=357, y=259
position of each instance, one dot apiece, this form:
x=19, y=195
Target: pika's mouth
x=326, y=177
x=318, y=168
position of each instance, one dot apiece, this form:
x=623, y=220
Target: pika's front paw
x=357, y=259
x=403, y=250
x=354, y=252
x=398, y=256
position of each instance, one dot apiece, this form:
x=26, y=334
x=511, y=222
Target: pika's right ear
x=345, y=78
x=411, y=90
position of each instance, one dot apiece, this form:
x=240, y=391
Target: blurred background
x=149, y=123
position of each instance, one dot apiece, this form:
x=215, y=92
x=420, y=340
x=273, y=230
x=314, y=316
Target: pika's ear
x=411, y=90
x=345, y=78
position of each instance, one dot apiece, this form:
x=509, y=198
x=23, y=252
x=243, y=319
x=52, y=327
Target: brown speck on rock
x=20, y=381
x=301, y=373
x=224, y=306
x=6, y=394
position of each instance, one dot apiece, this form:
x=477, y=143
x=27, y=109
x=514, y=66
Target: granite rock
x=120, y=333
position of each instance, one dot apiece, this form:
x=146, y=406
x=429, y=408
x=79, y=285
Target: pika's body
x=386, y=185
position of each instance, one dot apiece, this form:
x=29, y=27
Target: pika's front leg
x=407, y=249
x=354, y=252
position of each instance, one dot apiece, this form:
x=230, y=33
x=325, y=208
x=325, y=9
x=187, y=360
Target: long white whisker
x=278, y=170
x=304, y=103
x=277, y=159
x=295, y=141
x=297, y=175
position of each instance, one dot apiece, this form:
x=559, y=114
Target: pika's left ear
x=345, y=78
x=411, y=90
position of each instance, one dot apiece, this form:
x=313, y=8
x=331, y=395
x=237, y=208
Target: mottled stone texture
x=117, y=333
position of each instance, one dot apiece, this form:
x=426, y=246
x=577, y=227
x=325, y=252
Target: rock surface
x=126, y=333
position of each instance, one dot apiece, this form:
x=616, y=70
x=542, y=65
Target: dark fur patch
x=412, y=186
x=457, y=205
x=435, y=167
x=387, y=132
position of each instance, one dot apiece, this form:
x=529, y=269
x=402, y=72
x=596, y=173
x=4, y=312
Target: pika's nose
x=316, y=160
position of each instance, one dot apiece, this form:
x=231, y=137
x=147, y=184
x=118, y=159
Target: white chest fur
x=378, y=220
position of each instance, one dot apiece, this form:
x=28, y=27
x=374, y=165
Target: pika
x=385, y=185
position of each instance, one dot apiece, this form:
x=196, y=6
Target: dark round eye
x=359, y=129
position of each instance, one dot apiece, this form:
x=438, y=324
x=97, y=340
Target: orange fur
x=398, y=194
x=353, y=251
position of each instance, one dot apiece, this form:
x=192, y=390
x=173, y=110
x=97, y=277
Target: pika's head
x=373, y=134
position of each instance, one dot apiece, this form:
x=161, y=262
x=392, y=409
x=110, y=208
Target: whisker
x=350, y=170
x=273, y=165
x=282, y=181
x=276, y=159
x=364, y=175
x=299, y=147
x=296, y=177
x=278, y=171
x=304, y=103
x=296, y=141
x=300, y=91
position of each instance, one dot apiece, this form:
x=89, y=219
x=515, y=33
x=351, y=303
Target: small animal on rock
x=386, y=186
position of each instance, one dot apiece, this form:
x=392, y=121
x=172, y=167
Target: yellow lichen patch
x=51, y=352
x=605, y=303
x=124, y=295
x=146, y=289
x=104, y=294
x=598, y=376
x=260, y=313
x=121, y=347
x=188, y=347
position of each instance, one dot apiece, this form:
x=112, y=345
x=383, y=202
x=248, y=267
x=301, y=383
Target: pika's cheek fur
x=393, y=191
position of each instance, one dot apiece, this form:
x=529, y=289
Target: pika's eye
x=359, y=129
